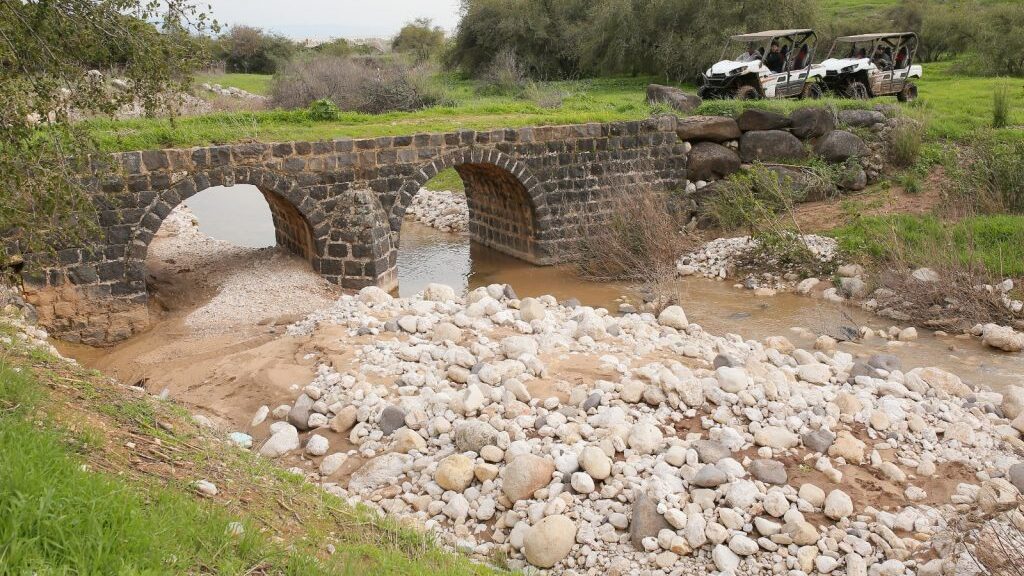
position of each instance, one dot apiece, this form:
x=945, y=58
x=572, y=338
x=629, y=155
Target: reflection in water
x=239, y=215
x=428, y=255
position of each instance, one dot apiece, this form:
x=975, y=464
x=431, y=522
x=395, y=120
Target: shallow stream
x=428, y=255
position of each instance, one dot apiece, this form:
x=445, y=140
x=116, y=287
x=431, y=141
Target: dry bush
x=904, y=141
x=372, y=86
x=504, y=76
x=637, y=239
x=954, y=303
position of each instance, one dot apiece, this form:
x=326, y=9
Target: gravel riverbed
x=570, y=439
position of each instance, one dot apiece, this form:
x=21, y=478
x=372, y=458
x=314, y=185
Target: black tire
x=705, y=93
x=908, y=94
x=856, y=90
x=812, y=91
x=747, y=92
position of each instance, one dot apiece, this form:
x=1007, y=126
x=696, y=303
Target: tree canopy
x=419, y=38
x=56, y=59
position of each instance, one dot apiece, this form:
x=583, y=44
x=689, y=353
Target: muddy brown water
x=428, y=255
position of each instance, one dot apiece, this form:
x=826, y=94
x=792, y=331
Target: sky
x=322, y=19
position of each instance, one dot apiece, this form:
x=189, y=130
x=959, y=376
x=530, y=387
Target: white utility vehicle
x=870, y=65
x=769, y=64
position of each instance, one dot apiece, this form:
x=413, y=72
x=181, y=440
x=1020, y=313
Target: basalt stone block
x=840, y=146
x=770, y=146
x=674, y=97
x=710, y=161
x=754, y=119
x=812, y=122
x=708, y=129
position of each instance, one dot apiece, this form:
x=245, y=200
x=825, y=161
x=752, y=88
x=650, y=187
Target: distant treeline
x=677, y=39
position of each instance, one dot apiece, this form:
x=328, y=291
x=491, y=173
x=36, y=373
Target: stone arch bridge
x=339, y=204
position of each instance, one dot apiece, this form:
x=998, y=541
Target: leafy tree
x=539, y=32
x=337, y=47
x=253, y=51
x=420, y=39
x=49, y=50
x=673, y=38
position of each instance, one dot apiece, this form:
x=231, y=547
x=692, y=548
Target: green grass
x=56, y=518
x=253, y=83
x=600, y=100
x=995, y=241
x=958, y=106
x=446, y=180
x=59, y=517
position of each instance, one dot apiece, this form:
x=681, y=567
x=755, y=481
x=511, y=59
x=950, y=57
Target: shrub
x=904, y=143
x=323, y=110
x=753, y=200
x=636, y=239
x=420, y=39
x=503, y=76
x=990, y=176
x=1001, y=106
x=253, y=51
x=372, y=86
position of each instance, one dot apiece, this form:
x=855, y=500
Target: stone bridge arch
x=506, y=202
x=294, y=214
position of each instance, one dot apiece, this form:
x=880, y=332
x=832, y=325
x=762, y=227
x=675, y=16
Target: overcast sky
x=334, y=18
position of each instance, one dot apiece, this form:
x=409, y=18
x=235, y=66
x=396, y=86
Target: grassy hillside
x=98, y=478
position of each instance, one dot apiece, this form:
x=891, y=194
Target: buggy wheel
x=811, y=91
x=908, y=94
x=706, y=93
x=746, y=92
x=857, y=91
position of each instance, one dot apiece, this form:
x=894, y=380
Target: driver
x=880, y=58
x=750, y=55
x=775, y=61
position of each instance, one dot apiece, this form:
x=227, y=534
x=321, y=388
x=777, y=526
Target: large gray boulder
x=708, y=129
x=840, y=146
x=710, y=161
x=810, y=187
x=770, y=146
x=674, y=97
x=754, y=119
x=298, y=416
x=861, y=118
x=812, y=122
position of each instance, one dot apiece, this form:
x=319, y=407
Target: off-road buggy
x=871, y=65
x=770, y=64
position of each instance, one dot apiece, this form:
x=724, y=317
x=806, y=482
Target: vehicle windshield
x=887, y=53
x=779, y=53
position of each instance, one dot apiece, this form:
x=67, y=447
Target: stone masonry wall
x=340, y=204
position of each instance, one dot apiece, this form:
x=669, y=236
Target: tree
x=252, y=51
x=420, y=39
x=337, y=47
x=49, y=54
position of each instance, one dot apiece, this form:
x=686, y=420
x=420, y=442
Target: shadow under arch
x=507, y=204
x=293, y=213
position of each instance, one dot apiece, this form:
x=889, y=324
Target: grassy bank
x=600, y=100
x=957, y=107
x=997, y=242
x=96, y=479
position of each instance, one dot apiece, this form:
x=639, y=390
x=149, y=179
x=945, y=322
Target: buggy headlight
x=736, y=71
x=849, y=69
